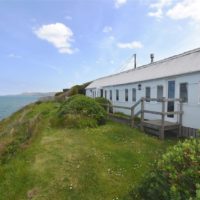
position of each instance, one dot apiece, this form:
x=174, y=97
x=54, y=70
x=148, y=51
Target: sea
x=11, y=104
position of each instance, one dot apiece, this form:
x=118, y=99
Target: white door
x=171, y=106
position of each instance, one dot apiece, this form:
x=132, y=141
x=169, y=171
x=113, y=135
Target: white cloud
x=159, y=6
x=158, y=13
x=107, y=29
x=12, y=55
x=131, y=45
x=119, y=3
x=176, y=10
x=187, y=9
x=57, y=34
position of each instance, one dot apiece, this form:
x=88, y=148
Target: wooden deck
x=155, y=126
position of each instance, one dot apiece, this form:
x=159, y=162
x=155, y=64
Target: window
x=184, y=92
x=133, y=94
x=159, y=92
x=139, y=86
x=148, y=93
x=171, y=95
x=106, y=94
x=126, y=94
x=101, y=93
x=110, y=94
x=117, y=95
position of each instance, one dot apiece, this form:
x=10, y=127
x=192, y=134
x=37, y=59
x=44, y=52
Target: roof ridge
x=156, y=62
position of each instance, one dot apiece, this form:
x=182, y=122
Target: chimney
x=135, y=63
x=152, y=57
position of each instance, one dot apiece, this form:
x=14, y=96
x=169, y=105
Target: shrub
x=176, y=175
x=78, y=89
x=58, y=94
x=80, y=111
x=104, y=102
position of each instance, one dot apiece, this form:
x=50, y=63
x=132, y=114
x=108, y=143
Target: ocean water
x=10, y=104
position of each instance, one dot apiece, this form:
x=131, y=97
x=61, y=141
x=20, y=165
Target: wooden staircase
x=158, y=126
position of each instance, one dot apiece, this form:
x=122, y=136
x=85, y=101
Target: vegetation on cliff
x=42, y=161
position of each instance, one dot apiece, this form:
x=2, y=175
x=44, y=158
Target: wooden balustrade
x=142, y=112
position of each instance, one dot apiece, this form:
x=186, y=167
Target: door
x=171, y=95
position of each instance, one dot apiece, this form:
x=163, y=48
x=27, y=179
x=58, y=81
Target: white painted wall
x=191, y=116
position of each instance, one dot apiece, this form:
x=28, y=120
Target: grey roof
x=187, y=62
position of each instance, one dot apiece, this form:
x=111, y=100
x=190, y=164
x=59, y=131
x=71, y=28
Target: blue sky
x=49, y=45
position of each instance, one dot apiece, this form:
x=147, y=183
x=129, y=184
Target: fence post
x=142, y=115
x=162, y=128
x=180, y=117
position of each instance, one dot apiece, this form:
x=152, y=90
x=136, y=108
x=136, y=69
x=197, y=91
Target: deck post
x=132, y=117
x=142, y=115
x=180, y=117
x=162, y=128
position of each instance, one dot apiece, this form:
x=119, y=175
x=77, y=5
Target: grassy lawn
x=92, y=163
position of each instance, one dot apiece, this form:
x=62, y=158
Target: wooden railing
x=141, y=111
x=163, y=113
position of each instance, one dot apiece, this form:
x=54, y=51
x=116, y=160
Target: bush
x=80, y=111
x=78, y=89
x=176, y=176
x=104, y=102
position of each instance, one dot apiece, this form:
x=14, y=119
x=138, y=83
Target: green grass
x=92, y=163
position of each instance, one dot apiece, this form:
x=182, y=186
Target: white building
x=174, y=77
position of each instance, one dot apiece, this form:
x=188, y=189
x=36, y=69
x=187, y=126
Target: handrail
x=136, y=104
x=142, y=110
x=114, y=106
x=163, y=113
x=161, y=99
x=137, y=113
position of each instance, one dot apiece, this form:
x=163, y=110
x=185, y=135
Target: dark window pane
x=171, y=89
x=117, y=95
x=110, y=94
x=126, y=94
x=171, y=95
x=101, y=91
x=159, y=92
x=133, y=94
x=184, y=92
x=148, y=93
